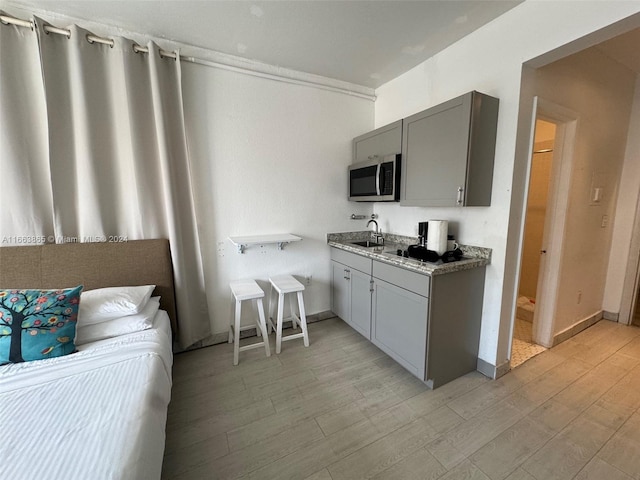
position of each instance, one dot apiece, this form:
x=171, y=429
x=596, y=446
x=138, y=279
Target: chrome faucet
x=378, y=232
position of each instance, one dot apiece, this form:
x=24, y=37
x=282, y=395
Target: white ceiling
x=363, y=42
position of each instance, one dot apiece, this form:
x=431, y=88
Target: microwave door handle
x=378, y=179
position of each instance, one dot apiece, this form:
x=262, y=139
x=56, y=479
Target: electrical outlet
x=307, y=280
x=605, y=221
x=579, y=296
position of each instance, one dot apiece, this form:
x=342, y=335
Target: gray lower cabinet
x=455, y=313
x=340, y=291
x=351, y=290
x=361, y=302
x=378, y=143
x=429, y=325
x=448, y=153
x=399, y=325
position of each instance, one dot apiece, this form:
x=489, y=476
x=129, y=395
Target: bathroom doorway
x=635, y=319
x=524, y=347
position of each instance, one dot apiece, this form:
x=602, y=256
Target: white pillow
x=119, y=326
x=104, y=304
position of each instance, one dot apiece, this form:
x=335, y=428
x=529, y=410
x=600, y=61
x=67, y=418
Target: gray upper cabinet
x=382, y=141
x=448, y=153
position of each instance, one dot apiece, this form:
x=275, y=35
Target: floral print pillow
x=37, y=324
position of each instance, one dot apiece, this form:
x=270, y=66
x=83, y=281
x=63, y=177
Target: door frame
x=632, y=275
x=566, y=122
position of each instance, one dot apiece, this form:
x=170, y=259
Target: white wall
x=490, y=60
x=625, y=211
x=269, y=157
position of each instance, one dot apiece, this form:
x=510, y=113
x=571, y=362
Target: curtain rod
x=5, y=19
x=90, y=37
x=16, y=21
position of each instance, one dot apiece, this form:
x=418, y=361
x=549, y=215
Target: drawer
x=414, y=282
x=357, y=262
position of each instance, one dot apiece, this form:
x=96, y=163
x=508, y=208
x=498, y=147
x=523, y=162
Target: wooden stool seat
x=286, y=284
x=246, y=290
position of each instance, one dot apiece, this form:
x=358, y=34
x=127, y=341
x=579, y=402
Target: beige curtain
x=26, y=209
x=117, y=156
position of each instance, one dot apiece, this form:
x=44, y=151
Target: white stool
x=247, y=290
x=284, y=284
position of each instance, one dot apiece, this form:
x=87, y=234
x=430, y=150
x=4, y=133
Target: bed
x=98, y=413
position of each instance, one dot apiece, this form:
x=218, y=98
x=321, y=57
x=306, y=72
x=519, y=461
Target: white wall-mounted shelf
x=281, y=239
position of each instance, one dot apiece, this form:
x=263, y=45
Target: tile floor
x=342, y=409
x=523, y=348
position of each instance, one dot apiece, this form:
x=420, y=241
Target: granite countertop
x=473, y=257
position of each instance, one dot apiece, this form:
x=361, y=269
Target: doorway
x=524, y=347
x=634, y=314
x=548, y=185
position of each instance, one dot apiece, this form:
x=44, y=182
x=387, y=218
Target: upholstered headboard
x=94, y=265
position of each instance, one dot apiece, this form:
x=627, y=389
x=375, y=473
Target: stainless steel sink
x=368, y=244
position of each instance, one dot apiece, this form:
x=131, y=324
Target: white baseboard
x=493, y=371
x=223, y=337
x=576, y=328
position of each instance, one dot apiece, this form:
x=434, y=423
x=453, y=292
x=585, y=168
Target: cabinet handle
x=459, y=197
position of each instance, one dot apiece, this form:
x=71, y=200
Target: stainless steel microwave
x=375, y=180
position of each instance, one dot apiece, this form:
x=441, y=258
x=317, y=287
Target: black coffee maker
x=420, y=251
x=423, y=228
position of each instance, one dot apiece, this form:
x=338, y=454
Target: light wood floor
x=342, y=409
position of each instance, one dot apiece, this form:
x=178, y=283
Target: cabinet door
x=399, y=325
x=340, y=291
x=381, y=141
x=435, y=145
x=361, y=302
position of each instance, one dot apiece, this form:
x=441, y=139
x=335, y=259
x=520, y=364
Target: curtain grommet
x=166, y=54
x=104, y=41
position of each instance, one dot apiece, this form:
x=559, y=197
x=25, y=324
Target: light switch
x=602, y=184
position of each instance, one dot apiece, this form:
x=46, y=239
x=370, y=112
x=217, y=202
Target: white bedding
x=99, y=413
